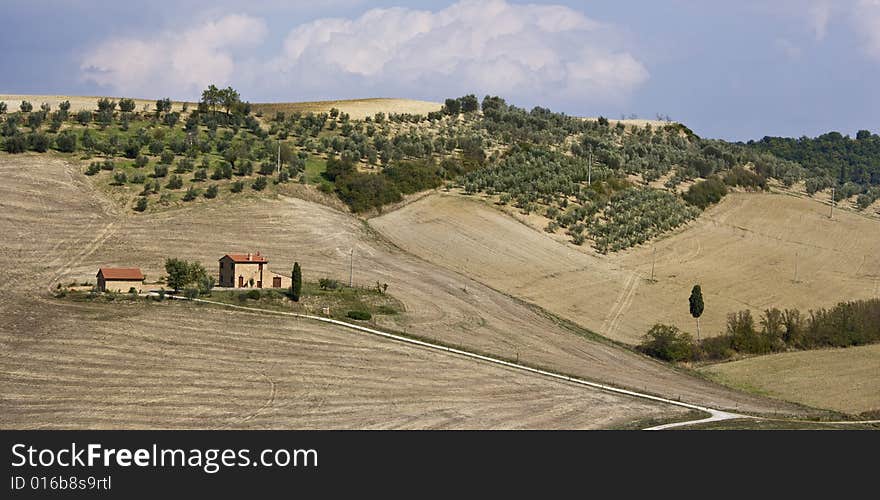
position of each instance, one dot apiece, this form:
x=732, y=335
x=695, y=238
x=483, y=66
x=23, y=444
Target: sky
x=734, y=70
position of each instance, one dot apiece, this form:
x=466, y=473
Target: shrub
x=174, y=182
x=160, y=171
x=260, y=184
x=667, y=343
x=359, y=315
x=166, y=158
x=66, y=142
x=237, y=186
x=16, y=144
x=119, y=178
x=191, y=194
x=211, y=192
x=93, y=168
x=705, y=193
x=141, y=204
x=253, y=294
x=328, y=284
x=141, y=161
x=39, y=142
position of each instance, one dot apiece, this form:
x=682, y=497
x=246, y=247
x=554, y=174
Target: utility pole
x=351, y=269
x=279, y=159
x=832, y=203
x=796, y=257
x=653, y=262
x=590, y=169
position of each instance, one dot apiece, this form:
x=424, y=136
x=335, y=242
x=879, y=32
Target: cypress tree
x=696, y=304
x=295, y=282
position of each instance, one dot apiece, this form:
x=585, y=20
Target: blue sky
x=733, y=70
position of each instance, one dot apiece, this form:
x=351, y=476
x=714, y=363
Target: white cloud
x=867, y=23
x=173, y=63
x=471, y=46
x=545, y=54
x=819, y=15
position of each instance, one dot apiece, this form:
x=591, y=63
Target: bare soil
x=61, y=229
x=742, y=252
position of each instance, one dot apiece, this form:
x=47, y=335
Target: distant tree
x=174, y=182
x=171, y=119
x=211, y=97
x=39, y=142
x=84, y=117
x=64, y=106
x=163, y=105
x=45, y=108
x=66, y=141
x=35, y=120
x=237, y=186
x=861, y=135
x=493, y=103
x=126, y=105
x=26, y=107
x=191, y=194
x=211, y=192
x=3, y=107
x=106, y=104
x=182, y=273
x=178, y=272
x=16, y=143
x=260, y=184
x=452, y=106
x=469, y=104
x=296, y=282
x=141, y=204
x=667, y=343
x=696, y=305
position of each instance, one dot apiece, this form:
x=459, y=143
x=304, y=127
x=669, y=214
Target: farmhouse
x=120, y=279
x=250, y=270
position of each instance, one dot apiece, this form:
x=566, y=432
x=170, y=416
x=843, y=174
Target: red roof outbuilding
x=121, y=273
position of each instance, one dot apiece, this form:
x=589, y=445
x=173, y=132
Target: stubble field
x=61, y=229
x=742, y=252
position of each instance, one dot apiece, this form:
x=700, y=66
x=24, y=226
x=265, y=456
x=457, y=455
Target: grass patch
x=315, y=167
x=315, y=300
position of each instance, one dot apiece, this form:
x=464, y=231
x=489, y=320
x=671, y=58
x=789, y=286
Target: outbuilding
x=120, y=279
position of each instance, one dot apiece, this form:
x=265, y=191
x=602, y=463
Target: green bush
x=253, y=294
x=141, y=204
x=260, y=184
x=705, y=193
x=667, y=343
x=359, y=315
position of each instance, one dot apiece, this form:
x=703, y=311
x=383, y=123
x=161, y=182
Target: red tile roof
x=121, y=273
x=246, y=257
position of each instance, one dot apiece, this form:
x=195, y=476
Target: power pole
x=832, y=203
x=351, y=269
x=653, y=262
x=796, y=256
x=590, y=169
x=279, y=159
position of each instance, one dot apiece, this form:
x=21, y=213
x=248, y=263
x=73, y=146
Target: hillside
x=743, y=257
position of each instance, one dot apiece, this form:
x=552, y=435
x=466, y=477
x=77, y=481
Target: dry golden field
x=77, y=103
x=60, y=228
x=67, y=364
x=357, y=108
x=743, y=253
x=845, y=380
